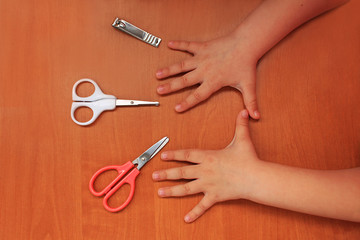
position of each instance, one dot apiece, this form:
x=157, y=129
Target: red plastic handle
x=122, y=170
x=129, y=179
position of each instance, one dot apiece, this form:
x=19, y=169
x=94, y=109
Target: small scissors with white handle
x=99, y=102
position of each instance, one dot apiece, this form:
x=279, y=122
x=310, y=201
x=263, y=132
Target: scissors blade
x=150, y=153
x=122, y=102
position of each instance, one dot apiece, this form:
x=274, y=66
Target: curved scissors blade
x=150, y=153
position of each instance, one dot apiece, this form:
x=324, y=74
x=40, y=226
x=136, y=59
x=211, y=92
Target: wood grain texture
x=308, y=89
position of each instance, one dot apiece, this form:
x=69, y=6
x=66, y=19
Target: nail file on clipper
x=136, y=32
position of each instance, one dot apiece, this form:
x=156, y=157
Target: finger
x=190, y=47
x=190, y=155
x=242, y=126
x=180, y=190
x=199, y=95
x=179, y=83
x=199, y=209
x=183, y=66
x=188, y=172
x=250, y=102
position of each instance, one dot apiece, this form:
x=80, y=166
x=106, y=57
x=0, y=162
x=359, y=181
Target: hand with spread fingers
x=221, y=175
x=214, y=64
x=237, y=173
x=231, y=60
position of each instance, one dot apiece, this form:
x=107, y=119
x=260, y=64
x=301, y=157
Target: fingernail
x=159, y=73
x=160, y=89
x=257, y=114
x=244, y=114
x=164, y=155
x=187, y=218
x=156, y=176
x=161, y=192
x=178, y=107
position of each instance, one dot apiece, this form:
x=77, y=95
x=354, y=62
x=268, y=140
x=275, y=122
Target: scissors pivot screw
x=143, y=159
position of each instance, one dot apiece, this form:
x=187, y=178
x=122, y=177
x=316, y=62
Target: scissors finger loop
x=97, y=108
x=129, y=179
x=97, y=94
x=122, y=170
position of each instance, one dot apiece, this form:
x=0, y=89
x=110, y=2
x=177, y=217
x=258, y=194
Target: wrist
x=253, y=185
x=245, y=46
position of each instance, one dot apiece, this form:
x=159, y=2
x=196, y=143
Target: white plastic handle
x=97, y=102
x=97, y=95
x=97, y=107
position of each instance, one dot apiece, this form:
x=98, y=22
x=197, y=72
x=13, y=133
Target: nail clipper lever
x=136, y=32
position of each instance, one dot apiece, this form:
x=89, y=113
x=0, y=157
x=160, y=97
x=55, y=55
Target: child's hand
x=221, y=175
x=214, y=64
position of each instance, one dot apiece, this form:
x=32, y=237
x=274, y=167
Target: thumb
x=242, y=126
x=250, y=102
x=242, y=129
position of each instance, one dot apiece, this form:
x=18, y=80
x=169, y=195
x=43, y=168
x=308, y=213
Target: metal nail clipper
x=136, y=32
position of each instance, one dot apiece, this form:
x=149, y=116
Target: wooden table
x=308, y=89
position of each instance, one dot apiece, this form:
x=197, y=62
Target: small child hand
x=221, y=175
x=214, y=64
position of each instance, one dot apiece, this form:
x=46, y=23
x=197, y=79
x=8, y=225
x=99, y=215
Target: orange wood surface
x=308, y=89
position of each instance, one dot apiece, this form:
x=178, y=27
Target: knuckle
x=203, y=206
x=184, y=81
x=250, y=102
x=181, y=172
x=166, y=70
x=197, y=96
x=168, y=191
x=167, y=86
x=242, y=124
x=163, y=175
x=187, y=155
x=182, y=65
x=187, y=189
